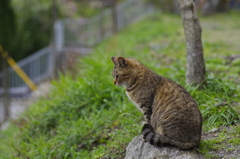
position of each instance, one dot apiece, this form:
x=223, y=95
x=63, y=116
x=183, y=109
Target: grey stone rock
x=138, y=149
x=213, y=130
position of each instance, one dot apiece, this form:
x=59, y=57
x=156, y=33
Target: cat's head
x=125, y=71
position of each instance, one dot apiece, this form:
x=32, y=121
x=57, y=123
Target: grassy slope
x=88, y=117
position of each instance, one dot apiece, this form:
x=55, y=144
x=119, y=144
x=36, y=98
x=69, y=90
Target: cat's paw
x=147, y=132
x=147, y=127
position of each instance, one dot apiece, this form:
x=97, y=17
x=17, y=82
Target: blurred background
x=30, y=22
x=46, y=36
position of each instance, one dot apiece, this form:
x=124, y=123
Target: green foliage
x=86, y=116
x=34, y=25
x=6, y=138
x=7, y=25
x=216, y=101
x=85, y=10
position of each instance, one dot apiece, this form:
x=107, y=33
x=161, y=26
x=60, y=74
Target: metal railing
x=88, y=32
x=38, y=66
x=75, y=33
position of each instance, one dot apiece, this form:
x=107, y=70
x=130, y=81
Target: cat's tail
x=161, y=140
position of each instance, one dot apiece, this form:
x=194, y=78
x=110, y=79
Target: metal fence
x=38, y=66
x=75, y=33
x=88, y=32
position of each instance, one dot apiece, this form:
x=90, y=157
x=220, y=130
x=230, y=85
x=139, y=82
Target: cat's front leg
x=147, y=112
x=147, y=130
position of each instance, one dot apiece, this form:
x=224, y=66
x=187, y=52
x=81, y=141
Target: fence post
x=58, y=45
x=5, y=85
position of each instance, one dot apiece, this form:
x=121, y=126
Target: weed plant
x=87, y=116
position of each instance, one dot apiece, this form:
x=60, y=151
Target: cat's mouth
x=117, y=84
x=120, y=84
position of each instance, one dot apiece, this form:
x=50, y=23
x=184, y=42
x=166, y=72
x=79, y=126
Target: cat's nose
x=115, y=82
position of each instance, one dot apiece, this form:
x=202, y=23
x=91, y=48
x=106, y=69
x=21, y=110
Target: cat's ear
x=114, y=60
x=122, y=62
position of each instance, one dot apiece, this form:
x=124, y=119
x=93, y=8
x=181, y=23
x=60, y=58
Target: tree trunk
x=195, y=67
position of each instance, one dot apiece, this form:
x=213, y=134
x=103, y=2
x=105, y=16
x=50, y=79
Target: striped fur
x=172, y=115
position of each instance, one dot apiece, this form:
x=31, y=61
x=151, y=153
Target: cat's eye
x=117, y=76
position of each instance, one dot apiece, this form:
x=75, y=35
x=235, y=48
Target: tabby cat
x=172, y=115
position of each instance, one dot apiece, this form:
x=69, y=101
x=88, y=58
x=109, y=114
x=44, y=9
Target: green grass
x=221, y=141
x=87, y=116
x=7, y=137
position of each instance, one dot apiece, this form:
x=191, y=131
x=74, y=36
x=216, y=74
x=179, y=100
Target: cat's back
x=174, y=106
x=172, y=96
x=169, y=91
